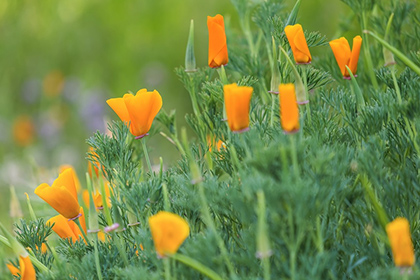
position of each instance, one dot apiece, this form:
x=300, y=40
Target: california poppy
x=67, y=229
x=289, y=111
x=400, y=239
x=62, y=195
x=139, y=110
x=26, y=270
x=237, y=103
x=346, y=57
x=168, y=232
x=218, y=53
x=297, y=41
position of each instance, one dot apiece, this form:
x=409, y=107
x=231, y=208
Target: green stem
x=399, y=54
x=167, y=269
x=273, y=105
x=366, y=51
x=295, y=164
x=197, y=266
x=146, y=155
x=193, y=94
x=82, y=230
x=97, y=263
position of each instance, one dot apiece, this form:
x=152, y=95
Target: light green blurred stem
x=305, y=82
x=295, y=163
x=366, y=51
x=167, y=266
x=82, y=230
x=360, y=101
x=166, y=204
x=399, y=54
x=193, y=95
x=273, y=105
x=146, y=154
x=197, y=266
x=97, y=263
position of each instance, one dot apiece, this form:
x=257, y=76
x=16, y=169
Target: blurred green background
x=60, y=61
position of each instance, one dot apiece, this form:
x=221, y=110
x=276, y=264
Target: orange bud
x=400, y=239
x=289, y=111
x=218, y=53
x=26, y=269
x=344, y=56
x=62, y=195
x=298, y=44
x=168, y=232
x=139, y=110
x=237, y=102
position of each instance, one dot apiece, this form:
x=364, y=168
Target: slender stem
x=273, y=105
x=366, y=51
x=146, y=154
x=197, y=266
x=82, y=230
x=97, y=263
x=293, y=139
x=167, y=266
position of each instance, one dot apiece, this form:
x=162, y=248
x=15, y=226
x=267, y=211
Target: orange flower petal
x=342, y=53
x=168, y=231
x=237, y=103
x=66, y=179
x=297, y=41
x=355, y=52
x=75, y=178
x=118, y=105
x=400, y=239
x=218, y=53
x=289, y=110
x=60, y=199
x=142, y=109
x=62, y=227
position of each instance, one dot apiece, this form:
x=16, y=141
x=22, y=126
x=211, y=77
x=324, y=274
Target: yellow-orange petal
x=142, y=109
x=118, y=105
x=237, y=103
x=297, y=41
x=13, y=269
x=400, y=239
x=66, y=179
x=289, y=111
x=168, y=232
x=218, y=53
x=355, y=52
x=62, y=227
x=342, y=53
x=59, y=198
x=75, y=178
x=27, y=270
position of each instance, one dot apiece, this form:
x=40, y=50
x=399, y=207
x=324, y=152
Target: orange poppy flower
x=168, y=232
x=237, y=102
x=26, y=270
x=344, y=56
x=139, y=110
x=97, y=197
x=76, y=179
x=400, y=239
x=68, y=229
x=218, y=53
x=297, y=41
x=62, y=195
x=289, y=111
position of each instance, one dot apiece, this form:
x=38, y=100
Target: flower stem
x=197, y=266
x=146, y=155
x=82, y=230
x=97, y=263
x=294, y=155
x=167, y=269
x=366, y=51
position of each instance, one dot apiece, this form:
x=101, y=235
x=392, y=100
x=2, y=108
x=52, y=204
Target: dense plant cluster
x=315, y=204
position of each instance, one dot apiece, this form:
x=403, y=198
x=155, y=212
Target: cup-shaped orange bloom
x=345, y=56
x=298, y=44
x=237, y=102
x=139, y=110
x=168, y=232
x=289, y=111
x=26, y=269
x=67, y=229
x=400, y=239
x=218, y=53
x=76, y=179
x=62, y=195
